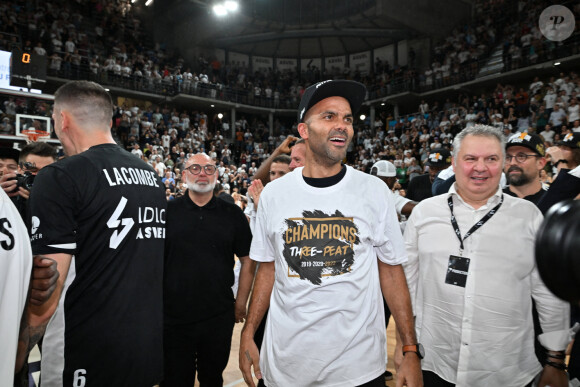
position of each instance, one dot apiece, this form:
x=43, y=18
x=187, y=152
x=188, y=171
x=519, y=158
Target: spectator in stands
x=420, y=187
x=548, y=134
x=557, y=118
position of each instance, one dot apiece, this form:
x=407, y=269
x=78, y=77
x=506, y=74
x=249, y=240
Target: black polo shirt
x=534, y=198
x=199, y=258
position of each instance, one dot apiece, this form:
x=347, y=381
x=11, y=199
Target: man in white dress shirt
x=472, y=277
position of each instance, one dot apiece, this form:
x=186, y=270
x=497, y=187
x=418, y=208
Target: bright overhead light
x=220, y=10
x=148, y=3
x=362, y=117
x=133, y=1
x=232, y=6
x=557, y=64
x=212, y=105
x=220, y=116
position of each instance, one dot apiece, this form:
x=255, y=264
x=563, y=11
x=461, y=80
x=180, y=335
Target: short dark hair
x=285, y=159
x=89, y=101
x=41, y=149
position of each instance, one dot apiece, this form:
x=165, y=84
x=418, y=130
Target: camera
x=557, y=246
x=25, y=180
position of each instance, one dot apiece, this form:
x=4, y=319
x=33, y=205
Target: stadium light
x=231, y=6
x=224, y=8
x=220, y=10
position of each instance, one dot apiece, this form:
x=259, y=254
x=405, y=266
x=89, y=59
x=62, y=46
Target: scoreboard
x=27, y=69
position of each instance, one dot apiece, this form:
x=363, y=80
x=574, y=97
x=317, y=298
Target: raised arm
x=263, y=173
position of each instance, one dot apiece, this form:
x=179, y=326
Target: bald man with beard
x=203, y=235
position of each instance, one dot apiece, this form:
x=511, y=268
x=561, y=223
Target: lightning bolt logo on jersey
x=319, y=245
x=115, y=221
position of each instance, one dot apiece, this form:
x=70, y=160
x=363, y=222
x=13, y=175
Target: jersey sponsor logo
x=152, y=217
x=35, y=224
x=114, y=222
x=7, y=241
x=318, y=245
x=130, y=176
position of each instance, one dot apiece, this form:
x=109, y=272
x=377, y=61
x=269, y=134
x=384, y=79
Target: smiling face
x=328, y=129
x=478, y=168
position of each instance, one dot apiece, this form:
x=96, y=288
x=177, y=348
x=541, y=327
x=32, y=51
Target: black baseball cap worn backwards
x=353, y=92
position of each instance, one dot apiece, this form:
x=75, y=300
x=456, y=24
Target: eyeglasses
x=520, y=157
x=195, y=169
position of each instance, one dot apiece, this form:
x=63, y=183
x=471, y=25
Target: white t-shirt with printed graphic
x=326, y=323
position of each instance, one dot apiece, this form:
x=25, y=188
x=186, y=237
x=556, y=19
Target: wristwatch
x=417, y=348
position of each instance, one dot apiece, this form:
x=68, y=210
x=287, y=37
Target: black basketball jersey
x=106, y=208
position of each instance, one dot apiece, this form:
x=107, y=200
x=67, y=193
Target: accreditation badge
x=457, y=271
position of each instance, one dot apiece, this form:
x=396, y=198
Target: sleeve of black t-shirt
x=52, y=210
x=243, y=234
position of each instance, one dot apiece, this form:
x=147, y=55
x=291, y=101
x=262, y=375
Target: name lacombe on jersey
x=150, y=220
x=318, y=245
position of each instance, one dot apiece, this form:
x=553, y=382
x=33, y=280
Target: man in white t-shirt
x=550, y=99
x=329, y=243
x=15, y=268
x=387, y=172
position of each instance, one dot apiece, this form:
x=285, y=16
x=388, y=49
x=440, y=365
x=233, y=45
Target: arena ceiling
x=306, y=28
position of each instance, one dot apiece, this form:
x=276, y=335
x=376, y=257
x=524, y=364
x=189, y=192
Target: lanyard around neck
x=473, y=228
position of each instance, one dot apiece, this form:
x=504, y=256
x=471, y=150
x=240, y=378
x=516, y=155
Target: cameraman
x=16, y=182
